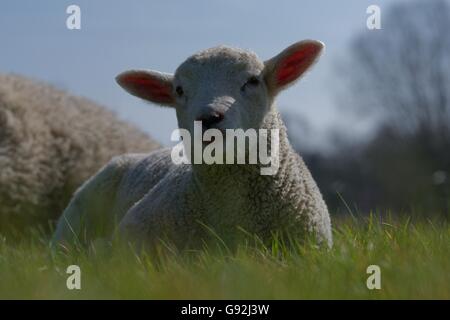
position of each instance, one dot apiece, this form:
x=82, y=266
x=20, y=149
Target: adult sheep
x=153, y=198
x=50, y=143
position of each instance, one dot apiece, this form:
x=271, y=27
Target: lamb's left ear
x=148, y=85
x=287, y=67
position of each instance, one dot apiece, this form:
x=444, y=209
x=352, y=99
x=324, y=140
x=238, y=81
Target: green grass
x=414, y=259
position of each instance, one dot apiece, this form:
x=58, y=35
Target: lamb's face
x=222, y=87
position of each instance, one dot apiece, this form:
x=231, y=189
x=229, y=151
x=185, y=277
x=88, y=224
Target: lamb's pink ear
x=287, y=67
x=148, y=85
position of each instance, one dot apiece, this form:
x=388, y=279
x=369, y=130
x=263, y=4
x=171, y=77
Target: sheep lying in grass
x=50, y=143
x=152, y=198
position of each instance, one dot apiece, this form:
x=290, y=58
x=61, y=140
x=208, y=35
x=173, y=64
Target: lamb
x=151, y=198
x=50, y=143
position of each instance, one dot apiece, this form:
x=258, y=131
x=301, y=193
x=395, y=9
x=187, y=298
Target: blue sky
x=119, y=35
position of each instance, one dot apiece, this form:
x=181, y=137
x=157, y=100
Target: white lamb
x=152, y=198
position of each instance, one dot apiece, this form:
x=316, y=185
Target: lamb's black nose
x=211, y=119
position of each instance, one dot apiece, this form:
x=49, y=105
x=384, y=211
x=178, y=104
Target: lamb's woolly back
x=50, y=142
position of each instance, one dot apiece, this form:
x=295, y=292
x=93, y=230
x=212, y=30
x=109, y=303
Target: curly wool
x=225, y=198
x=50, y=142
x=153, y=198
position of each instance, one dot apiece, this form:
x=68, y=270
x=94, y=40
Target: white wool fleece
x=50, y=143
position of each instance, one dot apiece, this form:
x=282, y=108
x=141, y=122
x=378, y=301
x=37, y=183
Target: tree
x=401, y=76
x=403, y=70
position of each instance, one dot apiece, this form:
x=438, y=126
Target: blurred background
x=372, y=119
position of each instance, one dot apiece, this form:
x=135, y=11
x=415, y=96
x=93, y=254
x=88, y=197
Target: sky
x=120, y=35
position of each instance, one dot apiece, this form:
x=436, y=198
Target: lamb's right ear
x=288, y=66
x=148, y=85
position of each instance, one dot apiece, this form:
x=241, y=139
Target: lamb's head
x=225, y=88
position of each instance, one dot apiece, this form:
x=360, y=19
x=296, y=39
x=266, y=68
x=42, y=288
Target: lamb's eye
x=179, y=91
x=252, y=81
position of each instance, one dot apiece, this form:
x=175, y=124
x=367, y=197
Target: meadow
x=413, y=256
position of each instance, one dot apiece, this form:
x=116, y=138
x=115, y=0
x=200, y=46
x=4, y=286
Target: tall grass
x=414, y=259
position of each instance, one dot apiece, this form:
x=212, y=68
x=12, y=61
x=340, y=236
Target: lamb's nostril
x=208, y=121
